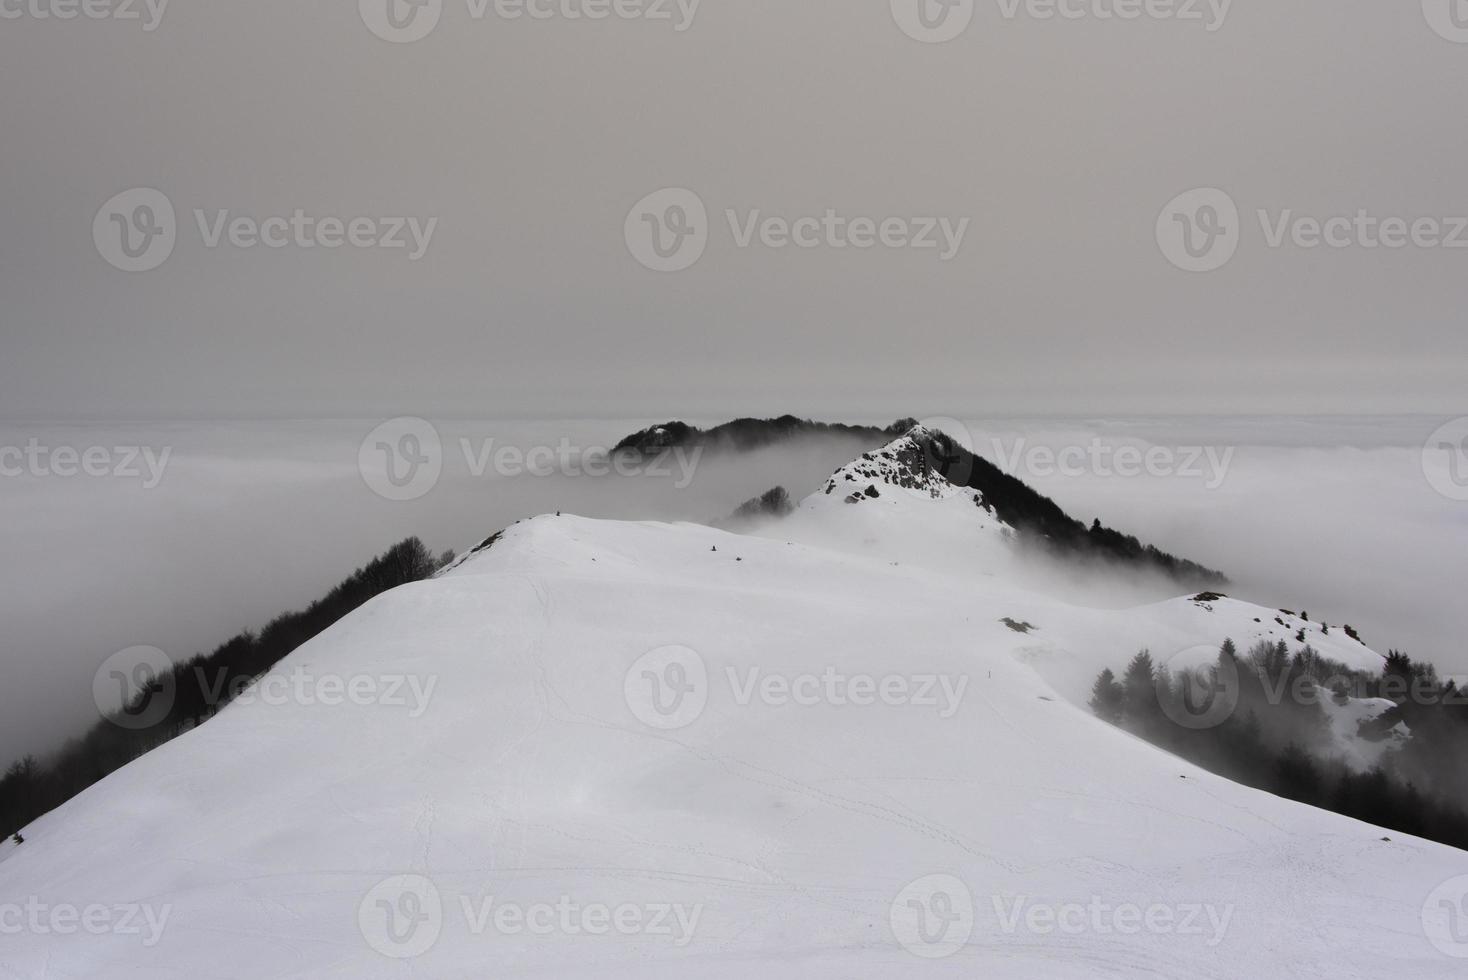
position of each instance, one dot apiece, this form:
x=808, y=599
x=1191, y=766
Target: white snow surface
x=790, y=828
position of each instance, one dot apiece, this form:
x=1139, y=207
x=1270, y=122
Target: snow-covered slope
x=647, y=750
x=890, y=506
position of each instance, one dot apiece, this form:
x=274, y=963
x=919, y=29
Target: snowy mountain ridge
x=666, y=750
x=905, y=462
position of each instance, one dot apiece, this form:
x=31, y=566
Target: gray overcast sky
x=531, y=140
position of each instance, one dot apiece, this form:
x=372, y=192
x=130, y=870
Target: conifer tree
x=1107, y=697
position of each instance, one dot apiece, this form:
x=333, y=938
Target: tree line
x=197, y=690
x=1259, y=719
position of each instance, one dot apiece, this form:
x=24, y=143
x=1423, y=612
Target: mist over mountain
x=1038, y=519
x=745, y=434
x=851, y=741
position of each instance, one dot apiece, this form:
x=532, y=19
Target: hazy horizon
x=251, y=520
